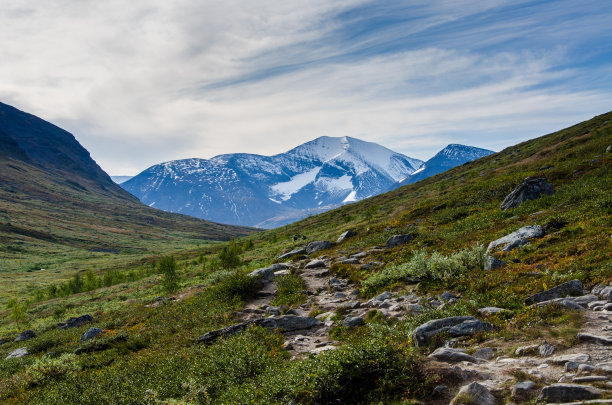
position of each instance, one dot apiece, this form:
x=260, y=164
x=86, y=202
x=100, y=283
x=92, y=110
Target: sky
x=144, y=82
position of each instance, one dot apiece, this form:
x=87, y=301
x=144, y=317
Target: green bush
x=289, y=290
x=46, y=369
x=167, y=266
x=229, y=257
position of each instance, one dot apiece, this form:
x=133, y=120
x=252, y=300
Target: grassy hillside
x=149, y=353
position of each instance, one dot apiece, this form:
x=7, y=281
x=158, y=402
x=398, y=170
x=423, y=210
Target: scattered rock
x=346, y=235
x=25, y=335
x=600, y=340
x=315, y=264
x=606, y=293
x=446, y=296
x=294, y=252
x=267, y=273
x=571, y=366
x=585, y=299
x=573, y=287
x=546, y=349
x=353, y=321
x=517, y=238
x=76, y=322
x=287, y=323
x=313, y=247
x=530, y=189
x=91, y=333
x=590, y=379
x=485, y=353
x=492, y=263
x=17, y=353
x=3, y=341
x=562, y=359
x=490, y=311
x=523, y=390
x=475, y=392
x=568, y=393
x=359, y=255
x=397, y=240
x=454, y=326
x=383, y=296
x=565, y=303
x=350, y=261
x=439, y=391
x=449, y=355
x=525, y=350
x=352, y=304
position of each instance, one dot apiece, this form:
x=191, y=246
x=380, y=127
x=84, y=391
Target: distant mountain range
x=270, y=191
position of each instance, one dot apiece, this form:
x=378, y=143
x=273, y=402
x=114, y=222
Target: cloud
x=140, y=82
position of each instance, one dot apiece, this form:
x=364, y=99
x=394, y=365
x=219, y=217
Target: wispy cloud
x=143, y=82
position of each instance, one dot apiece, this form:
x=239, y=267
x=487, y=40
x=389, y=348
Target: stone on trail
x=449, y=355
x=294, y=252
x=353, y=321
x=397, y=240
x=315, y=264
x=568, y=393
x=600, y=340
x=546, y=349
x=517, y=238
x=564, y=358
x=485, y=353
x=490, y=311
x=454, y=326
x=522, y=390
x=531, y=188
x=267, y=273
x=476, y=393
x=573, y=287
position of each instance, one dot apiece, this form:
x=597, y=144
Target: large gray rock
x=568, y=393
x=454, y=326
x=288, y=323
x=476, y=393
x=492, y=263
x=600, y=340
x=517, y=238
x=17, y=353
x=346, y=235
x=315, y=264
x=315, y=246
x=267, y=273
x=397, y=240
x=573, y=287
x=91, y=334
x=294, y=252
x=75, y=322
x=565, y=358
x=449, y=355
x=485, y=353
x=606, y=293
x=25, y=335
x=353, y=321
x=531, y=188
x=490, y=311
x=523, y=390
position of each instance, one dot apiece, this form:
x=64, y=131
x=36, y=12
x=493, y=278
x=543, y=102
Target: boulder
x=490, y=311
x=315, y=264
x=353, y=321
x=475, y=393
x=590, y=379
x=485, y=353
x=454, y=326
x=600, y=340
x=606, y=293
x=564, y=358
x=91, y=334
x=397, y=240
x=585, y=299
x=267, y=273
x=75, y=322
x=517, y=238
x=25, y=335
x=492, y=263
x=568, y=393
x=294, y=252
x=346, y=235
x=546, y=349
x=531, y=188
x=566, y=303
x=351, y=260
x=446, y=296
x=17, y=353
x=573, y=287
x=449, y=355
x=315, y=246
x=523, y=390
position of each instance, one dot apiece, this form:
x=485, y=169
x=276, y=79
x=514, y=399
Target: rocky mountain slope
x=269, y=191
x=55, y=198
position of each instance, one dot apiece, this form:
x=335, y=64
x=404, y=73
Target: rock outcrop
x=397, y=240
x=517, y=238
x=570, y=288
x=75, y=322
x=454, y=327
x=531, y=188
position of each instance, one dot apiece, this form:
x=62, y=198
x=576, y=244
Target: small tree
x=229, y=257
x=18, y=310
x=167, y=266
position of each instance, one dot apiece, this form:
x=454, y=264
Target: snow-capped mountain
x=270, y=191
x=451, y=156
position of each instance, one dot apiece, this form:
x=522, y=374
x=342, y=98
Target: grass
x=149, y=353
